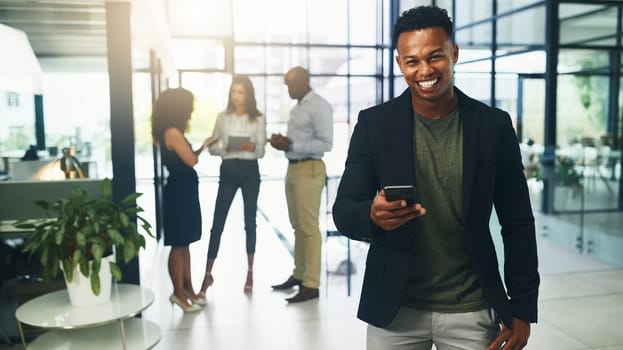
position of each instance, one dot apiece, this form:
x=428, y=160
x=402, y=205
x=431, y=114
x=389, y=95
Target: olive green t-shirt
x=442, y=278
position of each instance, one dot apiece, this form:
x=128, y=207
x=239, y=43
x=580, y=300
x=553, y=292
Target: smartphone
x=405, y=192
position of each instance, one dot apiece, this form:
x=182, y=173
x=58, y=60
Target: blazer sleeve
x=357, y=188
x=513, y=208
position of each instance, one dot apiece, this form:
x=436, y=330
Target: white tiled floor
x=581, y=298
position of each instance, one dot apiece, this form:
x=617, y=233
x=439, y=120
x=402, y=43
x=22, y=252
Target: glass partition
x=17, y=125
x=477, y=37
x=509, y=5
x=585, y=160
x=576, y=60
x=326, y=22
x=363, y=22
x=199, y=54
x=470, y=11
x=326, y=60
x=476, y=85
x=577, y=24
x=521, y=31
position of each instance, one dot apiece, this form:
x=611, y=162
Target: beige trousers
x=304, y=183
x=418, y=330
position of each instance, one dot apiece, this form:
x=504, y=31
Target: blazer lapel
x=469, y=120
x=403, y=136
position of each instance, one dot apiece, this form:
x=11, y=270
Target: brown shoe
x=291, y=282
x=304, y=294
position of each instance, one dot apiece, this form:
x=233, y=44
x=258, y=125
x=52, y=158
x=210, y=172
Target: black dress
x=182, y=212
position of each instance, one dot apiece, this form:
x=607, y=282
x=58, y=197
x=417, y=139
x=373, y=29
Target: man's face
x=295, y=86
x=426, y=57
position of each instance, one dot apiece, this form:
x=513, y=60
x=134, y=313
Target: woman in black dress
x=182, y=213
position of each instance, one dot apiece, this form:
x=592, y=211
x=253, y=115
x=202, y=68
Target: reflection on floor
x=581, y=299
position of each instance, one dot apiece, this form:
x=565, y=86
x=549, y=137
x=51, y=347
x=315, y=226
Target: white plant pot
x=79, y=289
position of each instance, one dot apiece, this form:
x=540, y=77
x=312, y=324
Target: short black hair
x=422, y=17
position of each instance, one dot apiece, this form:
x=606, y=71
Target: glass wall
x=341, y=43
x=346, y=46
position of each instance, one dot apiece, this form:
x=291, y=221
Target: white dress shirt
x=230, y=124
x=310, y=128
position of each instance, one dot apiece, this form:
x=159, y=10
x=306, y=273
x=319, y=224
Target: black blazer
x=381, y=153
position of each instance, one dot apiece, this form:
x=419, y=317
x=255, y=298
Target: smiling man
x=432, y=273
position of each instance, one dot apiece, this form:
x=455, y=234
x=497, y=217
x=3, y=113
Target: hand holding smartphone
x=398, y=192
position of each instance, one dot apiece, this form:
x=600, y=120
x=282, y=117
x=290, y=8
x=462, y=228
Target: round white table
x=110, y=325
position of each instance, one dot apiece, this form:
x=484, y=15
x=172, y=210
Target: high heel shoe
x=249, y=284
x=190, y=308
x=199, y=300
x=207, y=282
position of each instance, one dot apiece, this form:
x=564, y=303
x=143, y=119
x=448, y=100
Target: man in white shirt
x=309, y=136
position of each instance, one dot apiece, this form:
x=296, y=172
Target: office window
x=588, y=24
x=469, y=61
x=278, y=104
x=333, y=89
x=143, y=141
x=83, y=121
x=362, y=95
x=364, y=22
x=199, y=18
x=199, y=54
x=399, y=85
x=446, y=4
x=509, y=5
x=281, y=58
x=16, y=123
x=477, y=37
x=583, y=60
x=404, y=5
x=362, y=61
x=583, y=113
x=328, y=21
x=521, y=31
x=210, y=92
x=276, y=21
x=476, y=85
x=249, y=59
x=530, y=63
x=469, y=11
x=506, y=94
x=326, y=60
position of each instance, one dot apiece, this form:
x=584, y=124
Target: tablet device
x=234, y=142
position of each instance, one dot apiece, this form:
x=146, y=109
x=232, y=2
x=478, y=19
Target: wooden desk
x=109, y=325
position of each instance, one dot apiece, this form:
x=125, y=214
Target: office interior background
x=83, y=74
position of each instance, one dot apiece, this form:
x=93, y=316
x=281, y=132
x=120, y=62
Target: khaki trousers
x=304, y=183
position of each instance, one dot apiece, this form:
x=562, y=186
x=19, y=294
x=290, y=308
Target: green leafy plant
x=79, y=231
x=565, y=173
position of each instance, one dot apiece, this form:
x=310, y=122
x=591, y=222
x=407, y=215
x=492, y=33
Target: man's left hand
x=514, y=338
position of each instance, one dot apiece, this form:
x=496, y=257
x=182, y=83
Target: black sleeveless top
x=182, y=212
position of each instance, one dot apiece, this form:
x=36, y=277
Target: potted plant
x=80, y=233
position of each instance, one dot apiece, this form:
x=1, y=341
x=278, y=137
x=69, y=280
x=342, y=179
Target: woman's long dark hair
x=171, y=110
x=250, y=104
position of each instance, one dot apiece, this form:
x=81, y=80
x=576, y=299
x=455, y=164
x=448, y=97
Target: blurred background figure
x=182, y=213
x=241, y=129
